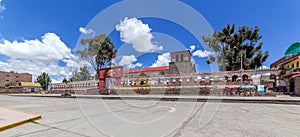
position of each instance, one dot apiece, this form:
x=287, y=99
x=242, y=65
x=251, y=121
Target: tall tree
x=100, y=50
x=44, y=80
x=64, y=80
x=230, y=44
x=83, y=74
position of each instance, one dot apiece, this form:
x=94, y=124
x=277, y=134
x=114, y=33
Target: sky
x=42, y=35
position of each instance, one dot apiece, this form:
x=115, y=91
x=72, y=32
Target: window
x=17, y=76
x=293, y=66
x=297, y=64
x=181, y=57
x=177, y=58
x=7, y=80
x=7, y=75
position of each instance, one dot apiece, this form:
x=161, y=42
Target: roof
x=278, y=62
x=30, y=84
x=293, y=49
x=297, y=75
x=182, y=52
x=147, y=69
x=291, y=59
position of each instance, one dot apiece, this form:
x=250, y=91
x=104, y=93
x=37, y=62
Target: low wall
x=11, y=90
x=172, y=90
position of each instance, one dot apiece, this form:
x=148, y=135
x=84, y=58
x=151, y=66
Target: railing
x=75, y=85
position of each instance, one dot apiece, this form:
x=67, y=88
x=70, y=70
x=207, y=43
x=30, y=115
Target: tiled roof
x=30, y=84
x=147, y=69
x=291, y=59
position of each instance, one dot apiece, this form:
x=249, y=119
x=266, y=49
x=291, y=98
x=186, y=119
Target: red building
x=112, y=73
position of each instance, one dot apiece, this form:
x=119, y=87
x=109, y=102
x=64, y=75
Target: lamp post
x=241, y=67
x=241, y=63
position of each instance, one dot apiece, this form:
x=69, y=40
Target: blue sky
x=57, y=22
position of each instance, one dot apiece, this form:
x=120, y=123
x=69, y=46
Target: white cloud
x=2, y=9
x=192, y=48
x=86, y=31
x=133, y=31
x=202, y=53
x=130, y=62
x=263, y=67
x=162, y=60
x=50, y=48
x=49, y=55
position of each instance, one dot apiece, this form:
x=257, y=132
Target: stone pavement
x=10, y=118
x=99, y=117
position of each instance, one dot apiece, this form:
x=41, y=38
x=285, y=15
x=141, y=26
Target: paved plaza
x=136, y=118
x=10, y=118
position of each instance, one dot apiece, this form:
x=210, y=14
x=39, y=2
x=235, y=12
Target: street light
x=241, y=52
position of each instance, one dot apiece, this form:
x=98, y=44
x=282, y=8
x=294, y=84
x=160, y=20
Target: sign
x=260, y=88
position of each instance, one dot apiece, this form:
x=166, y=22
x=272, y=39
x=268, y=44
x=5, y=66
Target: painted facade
x=290, y=66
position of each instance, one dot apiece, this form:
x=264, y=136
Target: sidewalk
x=10, y=118
x=235, y=99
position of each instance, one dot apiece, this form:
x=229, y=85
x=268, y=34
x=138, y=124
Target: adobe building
x=14, y=78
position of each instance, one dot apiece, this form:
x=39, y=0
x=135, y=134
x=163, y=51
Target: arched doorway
x=235, y=78
x=292, y=85
x=245, y=77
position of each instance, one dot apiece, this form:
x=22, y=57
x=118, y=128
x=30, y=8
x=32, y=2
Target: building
x=181, y=63
x=154, y=71
x=14, y=78
x=290, y=66
x=181, y=72
x=291, y=59
x=30, y=87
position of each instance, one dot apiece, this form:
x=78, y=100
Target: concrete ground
x=136, y=118
x=10, y=118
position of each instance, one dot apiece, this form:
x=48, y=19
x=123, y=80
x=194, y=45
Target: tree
x=230, y=44
x=44, y=80
x=64, y=80
x=83, y=74
x=11, y=84
x=99, y=51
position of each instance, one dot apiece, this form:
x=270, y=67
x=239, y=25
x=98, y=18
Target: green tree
x=64, y=80
x=100, y=50
x=44, y=80
x=83, y=74
x=230, y=44
x=11, y=84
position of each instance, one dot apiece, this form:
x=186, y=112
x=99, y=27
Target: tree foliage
x=44, y=80
x=100, y=50
x=83, y=74
x=230, y=44
x=11, y=84
x=64, y=80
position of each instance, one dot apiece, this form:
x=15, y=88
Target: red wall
x=118, y=76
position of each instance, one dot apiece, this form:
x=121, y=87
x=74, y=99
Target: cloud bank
x=162, y=60
x=135, y=32
x=130, y=62
x=49, y=54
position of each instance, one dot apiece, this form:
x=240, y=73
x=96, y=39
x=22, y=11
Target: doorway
x=292, y=85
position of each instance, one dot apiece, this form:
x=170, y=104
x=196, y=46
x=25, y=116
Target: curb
x=35, y=117
x=273, y=100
